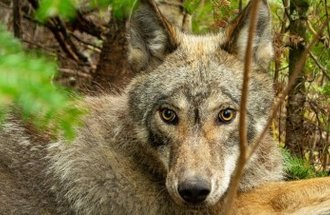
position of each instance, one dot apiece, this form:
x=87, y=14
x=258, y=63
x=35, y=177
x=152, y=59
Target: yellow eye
x=168, y=116
x=227, y=115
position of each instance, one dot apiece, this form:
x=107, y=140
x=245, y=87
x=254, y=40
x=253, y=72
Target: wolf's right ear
x=150, y=37
x=237, y=35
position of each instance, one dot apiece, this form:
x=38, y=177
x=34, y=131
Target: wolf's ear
x=237, y=35
x=150, y=37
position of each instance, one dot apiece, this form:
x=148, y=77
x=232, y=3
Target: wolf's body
x=167, y=145
x=301, y=197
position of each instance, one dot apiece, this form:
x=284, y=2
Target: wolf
x=168, y=144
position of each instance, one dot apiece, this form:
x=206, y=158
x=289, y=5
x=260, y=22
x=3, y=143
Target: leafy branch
x=26, y=84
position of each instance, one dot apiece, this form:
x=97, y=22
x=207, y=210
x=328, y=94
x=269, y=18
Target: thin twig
x=74, y=72
x=87, y=44
x=5, y=6
x=58, y=28
x=327, y=14
x=87, y=26
x=242, y=118
x=323, y=69
x=286, y=9
x=285, y=92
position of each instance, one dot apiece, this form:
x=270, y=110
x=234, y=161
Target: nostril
x=194, y=191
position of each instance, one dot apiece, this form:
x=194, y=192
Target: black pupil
x=226, y=114
x=168, y=114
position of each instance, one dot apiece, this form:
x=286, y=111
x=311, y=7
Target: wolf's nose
x=194, y=191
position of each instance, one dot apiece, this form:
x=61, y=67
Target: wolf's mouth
x=195, y=207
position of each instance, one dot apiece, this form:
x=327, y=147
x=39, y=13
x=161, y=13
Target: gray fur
x=125, y=159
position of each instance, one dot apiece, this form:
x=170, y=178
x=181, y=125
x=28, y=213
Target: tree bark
x=297, y=96
x=112, y=72
x=17, y=19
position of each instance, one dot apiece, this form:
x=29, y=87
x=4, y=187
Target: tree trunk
x=112, y=72
x=297, y=96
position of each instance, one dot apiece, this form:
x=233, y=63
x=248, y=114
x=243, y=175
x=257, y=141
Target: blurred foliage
x=26, y=84
x=120, y=8
x=66, y=9
x=210, y=15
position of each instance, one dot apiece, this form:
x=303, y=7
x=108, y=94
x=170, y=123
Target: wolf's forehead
x=209, y=94
x=202, y=52
x=207, y=77
x=203, y=100
x=197, y=46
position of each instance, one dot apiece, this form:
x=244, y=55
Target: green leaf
x=120, y=8
x=65, y=9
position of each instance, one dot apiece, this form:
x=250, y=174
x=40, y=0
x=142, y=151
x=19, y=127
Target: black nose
x=194, y=191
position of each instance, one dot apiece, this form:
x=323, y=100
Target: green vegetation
x=67, y=9
x=26, y=77
x=298, y=168
x=26, y=84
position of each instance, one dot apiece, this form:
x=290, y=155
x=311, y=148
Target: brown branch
x=46, y=49
x=310, y=27
x=61, y=40
x=186, y=19
x=74, y=72
x=285, y=92
x=89, y=45
x=58, y=28
x=58, y=36
x=61, y=26
x=278, y=55
x=286, y=9
x=87, y=26
x=17, y=19
x=243, y=112
x=327, y=14
x=5, y=6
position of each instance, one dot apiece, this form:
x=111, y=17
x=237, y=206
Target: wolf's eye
x=168, y=116
x=227, y=115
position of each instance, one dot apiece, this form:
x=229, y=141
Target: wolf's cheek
x=222, y=181
x=164, y=155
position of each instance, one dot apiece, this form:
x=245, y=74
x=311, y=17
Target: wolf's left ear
x=151, y=37
x=237, y=35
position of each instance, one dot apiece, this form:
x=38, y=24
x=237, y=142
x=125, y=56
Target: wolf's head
x=185, y=101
